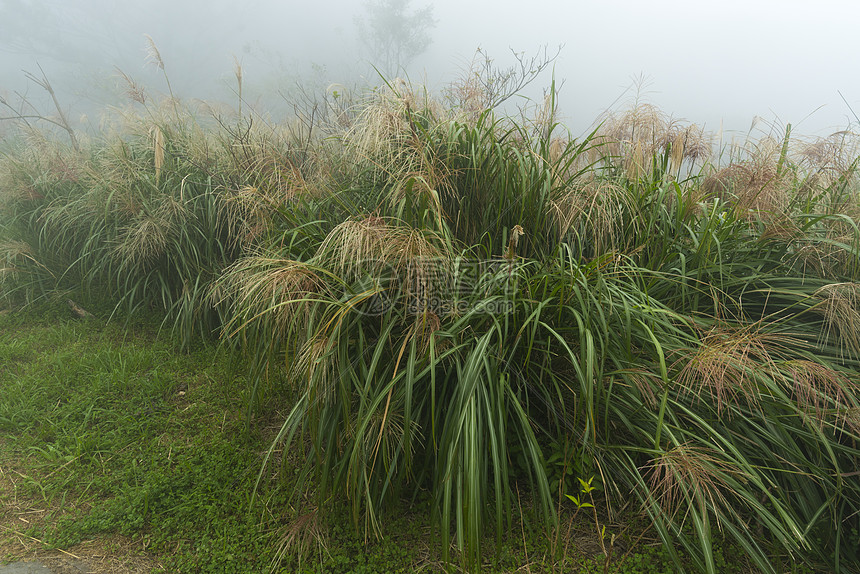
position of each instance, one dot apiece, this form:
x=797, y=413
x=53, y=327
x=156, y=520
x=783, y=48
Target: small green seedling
x=585, y=487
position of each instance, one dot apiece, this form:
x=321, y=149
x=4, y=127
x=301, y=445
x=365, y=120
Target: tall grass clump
x=452, y=295
x=495, y=288
x=151, y=211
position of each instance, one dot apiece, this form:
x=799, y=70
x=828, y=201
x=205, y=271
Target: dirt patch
x=109, y=554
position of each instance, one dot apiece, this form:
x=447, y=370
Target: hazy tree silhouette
x=394, y=34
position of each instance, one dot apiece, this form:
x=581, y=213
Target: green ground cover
x=116, y=431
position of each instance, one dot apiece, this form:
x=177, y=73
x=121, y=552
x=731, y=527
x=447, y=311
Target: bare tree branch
x=64, y=122
x=500, y=84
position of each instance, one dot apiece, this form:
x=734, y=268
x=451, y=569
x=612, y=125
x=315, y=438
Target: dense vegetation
x=474, y=305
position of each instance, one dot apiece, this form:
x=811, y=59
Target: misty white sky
x=703, y=61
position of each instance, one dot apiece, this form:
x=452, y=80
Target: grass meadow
x=407, y=330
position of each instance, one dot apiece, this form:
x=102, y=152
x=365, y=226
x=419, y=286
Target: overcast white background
x=707, y=62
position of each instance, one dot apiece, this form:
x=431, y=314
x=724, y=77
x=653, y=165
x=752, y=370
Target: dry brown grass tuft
x=424, y=175
x=824, y=256
x=152, y=54
x=849, y=419
x=147, y=236
x=840, y=308
x=248, y=214
x=754, y=185
x=372, y=245
x=646, y=381
x=386, y=136
x=633, y=137
x=599, y=207
x=644, y=123
x=384, y=122
x=686, y=472
x=691, y=143
x=11, y=255
x=467, y=96
x=426, y=323
x=133, y=90
x=142, y=241
x=55, y=164
x=273, y=288
x=821, y=259
x=725, y=366
x=816, y=388
x=643, y=132
x=316, y=366
x=831, y=158
x=783, y=229
x=302, y=534
x=273, y=179
x=157, y=151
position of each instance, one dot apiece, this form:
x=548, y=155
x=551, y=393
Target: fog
x=713, y=63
